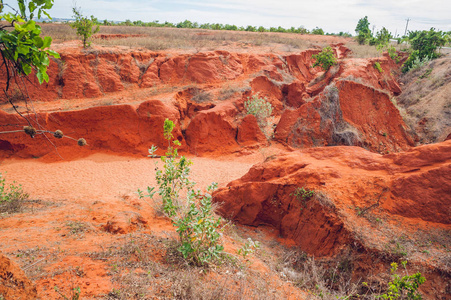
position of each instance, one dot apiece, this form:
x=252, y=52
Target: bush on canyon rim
x=424, y=46
x=84, y=26
x=325, y=59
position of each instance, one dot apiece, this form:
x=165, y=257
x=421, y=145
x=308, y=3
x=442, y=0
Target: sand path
x=103, y=176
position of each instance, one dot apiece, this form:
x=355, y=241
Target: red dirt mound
x=120, y=129
x=14, y=284
x=94, y=72
x=346, y=113
x=358, y=196
x=213, y=131
x=265, y=195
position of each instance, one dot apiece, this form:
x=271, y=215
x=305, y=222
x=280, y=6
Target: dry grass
x=34, y=260
x=161, y=38
x=426, y=100
x=147, y=267
x=200, y=96
x=367, y=51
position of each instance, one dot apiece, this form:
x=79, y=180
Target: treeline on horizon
x=218, y=26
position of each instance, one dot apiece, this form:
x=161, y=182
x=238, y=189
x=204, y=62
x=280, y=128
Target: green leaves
x=47, y=42
x=84, y=26
x=11, y=196
x=260, y=108
x=24, y=46
x=194, y=219
x=326, y=58
x=363, y=26
x=403, y=287
x=424, y=46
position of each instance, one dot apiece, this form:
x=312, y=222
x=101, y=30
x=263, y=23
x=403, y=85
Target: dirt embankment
x=426, y=102
x=360, y=200
x=373, y=206
x=206, y=102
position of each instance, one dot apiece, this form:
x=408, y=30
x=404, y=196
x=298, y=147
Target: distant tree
x=383, y=37
x=317, y=31
x=250, y=28
x=424, y=46
x=344, y=34
x=217, y=26
x=185, y=24
x=303, y=30
x=230, y=27
x=84, y=26
x=363, y=30
x=363, y=25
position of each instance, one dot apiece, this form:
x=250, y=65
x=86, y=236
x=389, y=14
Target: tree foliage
x=382, y=37
x=22, y=48
x=318, y=31
x=405, y=287
x=424, y=45
x=363, y=30
x=196, y=224
x=363, y=25
x=326, y=58
x=85, y=26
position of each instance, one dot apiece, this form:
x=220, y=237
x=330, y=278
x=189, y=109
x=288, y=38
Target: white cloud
x=331, y=15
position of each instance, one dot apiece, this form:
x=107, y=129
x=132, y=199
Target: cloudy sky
x=331, y=15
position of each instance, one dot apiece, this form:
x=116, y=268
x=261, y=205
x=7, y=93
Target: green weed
x=325, y=59
x=196, y=224
x=11, y=197
x=260, y=108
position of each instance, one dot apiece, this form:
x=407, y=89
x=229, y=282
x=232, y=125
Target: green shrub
x=424, y=45
x=393, y=53
x=260, y=108
x=382, y=38
x=403, y=287
x=84, y=26
x=196, y=224
x=363, y=31
x=22, y=49
x=198, y=229
x=326, y=58
x=318, y=31
x=303, y=195
x=415, y=62
x=11, y=197
x=378, y=67
x=248, y=248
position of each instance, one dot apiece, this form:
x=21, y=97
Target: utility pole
x=407, y=24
